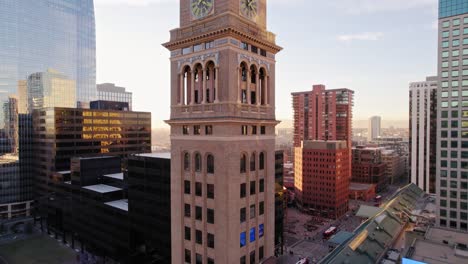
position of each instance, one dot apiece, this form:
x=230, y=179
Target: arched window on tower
x=263, y=87
x=210, y=164
x=198, y=162
x=262, y=161
x=252, y=162
x=186, y=161
x=243, y=84
x=253, y=85
x=243, y=163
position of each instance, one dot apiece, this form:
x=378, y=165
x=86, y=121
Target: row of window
x=243, y=259
x=210, y=194
x=210, y=240
x=198, y=47
x=197, y=130
x=455, y=22
x=454, y=205
x=455, y=63
x=452, y=194
x=252, y=130
x=198, y=258
x=198, y=163
x=253, y=211
x=253, y=49
x=454, y=174
x=455, y=53
x=253, y=188
x=252, y=235
x=210, y=214
x=253, y=162
x=453, y=224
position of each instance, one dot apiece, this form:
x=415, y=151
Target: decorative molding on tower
x=252, y=59
x=202, y=58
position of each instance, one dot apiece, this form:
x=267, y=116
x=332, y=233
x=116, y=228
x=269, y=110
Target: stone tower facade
x=222, y=132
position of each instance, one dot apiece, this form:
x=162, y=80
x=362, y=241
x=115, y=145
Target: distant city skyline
x=366, y=52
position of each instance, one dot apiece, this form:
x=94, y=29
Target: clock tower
x=222, y=133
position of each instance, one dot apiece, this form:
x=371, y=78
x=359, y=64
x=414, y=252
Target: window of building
x=252, y=211
x=253, y=187
x=198, y=189
x=208, y=130
x=187, y=210
x=254, y=130
x=262, y=161
x=252, y=162
x=210, y=240
x=198, y=259
x=261, y=208
x=445, y=44
x=456, y=22
x=210, y=217
x=188, y=235
x=188, y=256
x=243, y=215
x=263, y=130
x=185, y=130
x=243, y=239
x=261, y=253
x=186, y=50
x=210, y=191
x=243, y=260
x=244, y=130
x=243, y=190
x=198, y=213
x=244, y=46
x=210, y=261
x=445, y=34
x=209, y=45
x=445, y=24
x=199, y=237
x=254, y=49
x=187, y=162
x=455, y=53
x=187, y=187
x=261, y=230
x=263, y=52
x=198, y=162
x=197, y=47
x=196, y=130
x=262, y=185
x=252, y=235
x=456, y=32
x=243, y=163
x=252, y=257
x=210, y=164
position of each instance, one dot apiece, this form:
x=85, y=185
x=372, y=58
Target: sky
x=374, y=47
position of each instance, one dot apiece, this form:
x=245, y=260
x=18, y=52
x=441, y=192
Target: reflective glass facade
x=448, y=8
x=40, y=38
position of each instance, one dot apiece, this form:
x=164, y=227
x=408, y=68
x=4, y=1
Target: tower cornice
x=224, y=25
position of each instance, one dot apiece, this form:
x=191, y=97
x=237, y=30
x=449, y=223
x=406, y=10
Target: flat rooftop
x=164, y=155
x=360, y=186
x=117, y=176
x=440, y=235
x=119, y=204
x=429, y=252
x=102, y=188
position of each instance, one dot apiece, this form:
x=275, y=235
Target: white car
x=303, y=261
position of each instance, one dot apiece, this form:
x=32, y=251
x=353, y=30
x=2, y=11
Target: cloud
x=366, y=36
x=373, y=6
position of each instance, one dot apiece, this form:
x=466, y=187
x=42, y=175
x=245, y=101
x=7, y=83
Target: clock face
x=249, y=8
x=201, y=8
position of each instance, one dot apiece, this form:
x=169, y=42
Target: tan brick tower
x=222, y=132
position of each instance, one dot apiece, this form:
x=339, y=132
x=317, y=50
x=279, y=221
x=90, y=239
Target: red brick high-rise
x=323, y=141
x=323, y=114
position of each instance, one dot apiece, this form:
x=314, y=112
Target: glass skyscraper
x=39, y=36
x=452, y=116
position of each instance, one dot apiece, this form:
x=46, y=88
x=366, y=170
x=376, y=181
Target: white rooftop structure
x=102, y=188
x=119, y=204
x=165, y=155
x=117, y=176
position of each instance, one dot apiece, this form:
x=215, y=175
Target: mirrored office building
x=46, y=47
